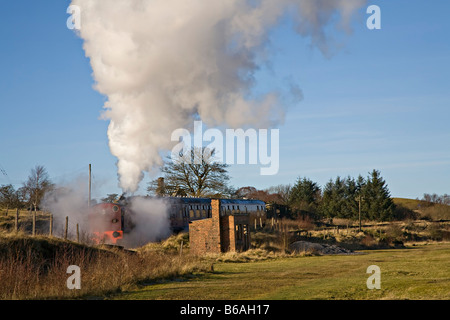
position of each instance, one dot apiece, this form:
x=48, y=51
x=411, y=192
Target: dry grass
x=36, y=268
x=345, y=233
x=173, y=244
x=253, y=255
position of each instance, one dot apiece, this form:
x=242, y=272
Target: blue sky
x=381, y=101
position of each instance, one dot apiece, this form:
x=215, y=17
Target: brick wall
x=218, y=234
x=204, y=234
x=227, y=233
x=200, y=241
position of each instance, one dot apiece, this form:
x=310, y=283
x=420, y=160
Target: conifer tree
x=377, y=204
x=305, y=195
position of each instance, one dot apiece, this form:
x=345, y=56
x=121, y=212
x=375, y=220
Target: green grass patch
x=419, y=272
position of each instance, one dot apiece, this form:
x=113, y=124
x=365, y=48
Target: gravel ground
x=318, y=248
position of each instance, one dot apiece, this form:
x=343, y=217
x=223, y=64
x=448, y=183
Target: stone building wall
x=219, y=233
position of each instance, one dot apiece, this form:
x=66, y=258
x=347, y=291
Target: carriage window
x=191, y=213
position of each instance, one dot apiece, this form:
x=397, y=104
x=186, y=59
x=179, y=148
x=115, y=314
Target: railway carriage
x=110, y=222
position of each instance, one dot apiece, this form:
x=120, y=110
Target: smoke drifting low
x=147, y=219
x=151, y=221
x=163, y=62
x=69, y=200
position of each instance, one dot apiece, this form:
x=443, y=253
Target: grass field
x=413, y=255
x=417, y=272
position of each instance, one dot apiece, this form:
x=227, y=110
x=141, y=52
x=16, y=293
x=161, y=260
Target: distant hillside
x=427, y=210
x=412, y=204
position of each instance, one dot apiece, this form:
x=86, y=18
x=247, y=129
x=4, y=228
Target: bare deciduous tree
x=111, y=198
x=284, y=192
x=37, y=185
x=9, y=197
x=195, y=174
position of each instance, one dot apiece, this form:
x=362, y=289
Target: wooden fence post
x=78, y=233
x=51, y=225
x=17, y=220
x=66, y=227
x=33, y=230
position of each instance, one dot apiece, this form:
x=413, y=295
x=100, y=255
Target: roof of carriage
x=194, y=200
x=223, y=201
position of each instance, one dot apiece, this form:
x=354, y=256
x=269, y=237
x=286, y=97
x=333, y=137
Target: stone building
x=221, y=233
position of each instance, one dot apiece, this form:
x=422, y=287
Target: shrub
x=368, y=241
x=403, y=213
x=305, y=223
x=394, y=233
x=434, y=232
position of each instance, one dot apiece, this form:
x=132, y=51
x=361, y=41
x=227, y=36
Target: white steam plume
x=162, y=62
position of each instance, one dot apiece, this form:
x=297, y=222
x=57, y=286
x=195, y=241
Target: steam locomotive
x=110, y=222
x=107, y=222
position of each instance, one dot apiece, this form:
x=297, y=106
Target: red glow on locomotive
x=106, y=222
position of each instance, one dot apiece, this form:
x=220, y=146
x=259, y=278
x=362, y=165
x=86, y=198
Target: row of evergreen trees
x=344, y=198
